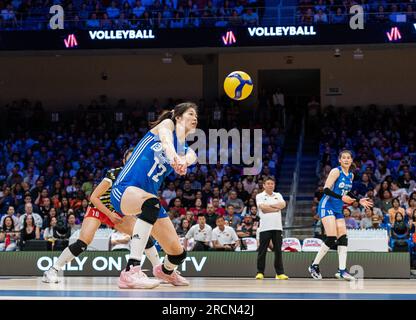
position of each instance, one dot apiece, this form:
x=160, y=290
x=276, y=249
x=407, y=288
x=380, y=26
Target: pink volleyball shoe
x=135, y=278
x=175, y=278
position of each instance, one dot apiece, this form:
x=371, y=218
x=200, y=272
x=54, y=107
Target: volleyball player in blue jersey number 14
x=160, y=152
x=337, y=191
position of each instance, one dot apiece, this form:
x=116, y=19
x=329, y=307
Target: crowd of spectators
x=134, y=14
x=337, y=11
x=383, y=143
x=131, y=14
x=49, y=168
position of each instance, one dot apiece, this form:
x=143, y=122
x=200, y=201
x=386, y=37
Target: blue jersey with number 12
x=342, y=186
x=148, y=166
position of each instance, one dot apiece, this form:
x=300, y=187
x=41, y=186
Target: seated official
x=224, y=237
x=202, y=233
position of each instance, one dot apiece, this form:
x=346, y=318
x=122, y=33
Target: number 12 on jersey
x=160, y=167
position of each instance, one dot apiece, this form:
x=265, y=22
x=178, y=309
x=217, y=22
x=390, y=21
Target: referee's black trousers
x=265, y=237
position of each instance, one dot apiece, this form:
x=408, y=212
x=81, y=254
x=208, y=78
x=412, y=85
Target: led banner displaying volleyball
x=206, y=37
x=381, y=265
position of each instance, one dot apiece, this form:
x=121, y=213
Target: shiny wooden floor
x=209, y=288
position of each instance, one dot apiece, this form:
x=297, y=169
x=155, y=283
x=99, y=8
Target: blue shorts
x=117, y=193
x=329, y=212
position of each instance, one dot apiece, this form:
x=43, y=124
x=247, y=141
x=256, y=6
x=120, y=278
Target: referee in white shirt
x=202, y=233
x=270, y=204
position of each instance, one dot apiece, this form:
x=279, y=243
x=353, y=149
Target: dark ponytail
x=166, y=114
x=178, y=111
x=126, y=153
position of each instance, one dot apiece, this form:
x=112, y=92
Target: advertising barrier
x=210, y=264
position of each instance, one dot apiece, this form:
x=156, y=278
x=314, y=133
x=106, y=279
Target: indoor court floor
x=98, y=288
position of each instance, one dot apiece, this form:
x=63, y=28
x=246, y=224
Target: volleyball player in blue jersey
x=160, y=152
x=337, y=191
x=100, y=211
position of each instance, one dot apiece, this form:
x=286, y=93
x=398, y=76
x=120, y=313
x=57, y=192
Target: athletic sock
x=153, y=256
x=168, y=267
x=166, y=270
x=65, y=257
x=141, y=234
x=132, y=263
x=321, y=253
x=342, y=257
